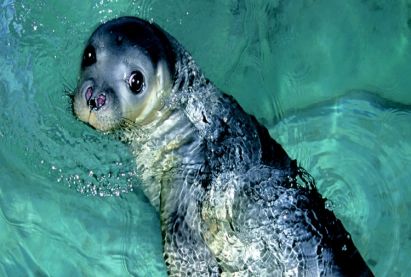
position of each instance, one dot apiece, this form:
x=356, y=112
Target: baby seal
x=231, y=201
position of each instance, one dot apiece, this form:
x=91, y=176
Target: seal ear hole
x=136, y=82
x=89, y=56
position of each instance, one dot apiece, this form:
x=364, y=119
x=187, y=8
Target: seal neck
x=162, y=149
x=188, y=77
x=171, y=147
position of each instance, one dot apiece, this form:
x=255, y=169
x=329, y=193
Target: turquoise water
x=330, y=79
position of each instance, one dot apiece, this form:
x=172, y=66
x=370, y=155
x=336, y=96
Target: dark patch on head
x=89, y=56
x=125, y=32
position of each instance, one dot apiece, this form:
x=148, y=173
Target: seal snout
x=95, y=103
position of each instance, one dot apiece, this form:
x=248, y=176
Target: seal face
x=125, y=71
x=231, y=201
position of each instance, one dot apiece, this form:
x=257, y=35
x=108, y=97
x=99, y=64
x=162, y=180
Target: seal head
x=126, y=71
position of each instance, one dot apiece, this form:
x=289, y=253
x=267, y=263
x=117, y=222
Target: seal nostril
x=96, y=103
x=101, y=100
x=89, y=93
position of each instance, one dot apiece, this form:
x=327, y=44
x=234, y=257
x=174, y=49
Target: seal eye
x=89, y=56
x=136, y=82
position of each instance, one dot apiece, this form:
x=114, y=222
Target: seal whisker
x=128, y=123
x=67, y=88
x=70, y=93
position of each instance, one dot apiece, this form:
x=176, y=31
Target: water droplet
x=329, y=205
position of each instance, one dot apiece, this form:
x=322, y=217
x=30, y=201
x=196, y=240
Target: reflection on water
x=303, y=67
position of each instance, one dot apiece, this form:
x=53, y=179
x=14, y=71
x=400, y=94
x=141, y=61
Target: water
x=330, y=79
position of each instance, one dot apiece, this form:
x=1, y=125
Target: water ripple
x=357, y=147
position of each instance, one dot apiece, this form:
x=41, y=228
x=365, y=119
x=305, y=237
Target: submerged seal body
x=231, y=201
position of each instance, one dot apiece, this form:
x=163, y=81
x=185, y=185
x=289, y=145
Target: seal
x=231, y=201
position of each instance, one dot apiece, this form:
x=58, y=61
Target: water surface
x=330, y=79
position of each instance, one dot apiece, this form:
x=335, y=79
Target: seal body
x=231, y=201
